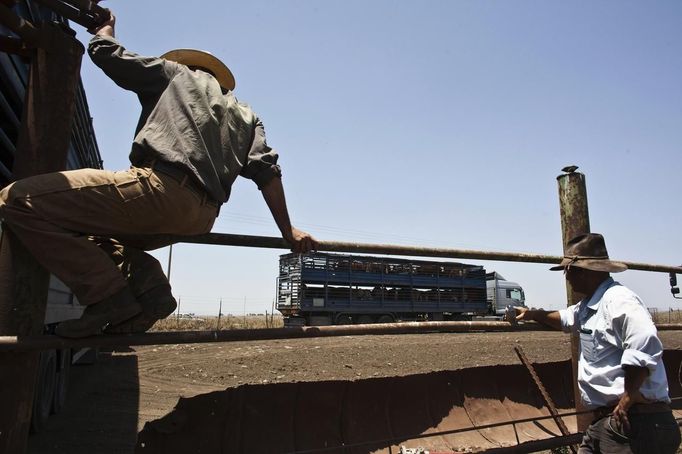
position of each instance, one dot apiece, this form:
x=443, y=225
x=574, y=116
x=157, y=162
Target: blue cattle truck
x=334, y=289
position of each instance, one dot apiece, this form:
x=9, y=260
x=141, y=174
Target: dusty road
x=110, y=402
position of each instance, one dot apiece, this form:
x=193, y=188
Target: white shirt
x=615, y=330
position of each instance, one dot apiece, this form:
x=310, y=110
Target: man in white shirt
x=620, y=372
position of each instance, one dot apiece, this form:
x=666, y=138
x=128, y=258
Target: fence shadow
x=100, y=415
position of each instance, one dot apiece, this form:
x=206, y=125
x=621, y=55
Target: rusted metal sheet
x=491, y=408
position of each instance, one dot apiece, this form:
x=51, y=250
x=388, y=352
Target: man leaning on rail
x=620, y=371
x=89, y=227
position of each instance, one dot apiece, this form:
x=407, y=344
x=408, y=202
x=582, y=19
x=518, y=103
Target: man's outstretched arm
x=548, y=318
x=273, y=193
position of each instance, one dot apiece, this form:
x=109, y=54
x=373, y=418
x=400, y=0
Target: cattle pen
x=366, y=418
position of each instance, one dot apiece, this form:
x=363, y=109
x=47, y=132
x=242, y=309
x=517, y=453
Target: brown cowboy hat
x=589, y=251
x=204, y=60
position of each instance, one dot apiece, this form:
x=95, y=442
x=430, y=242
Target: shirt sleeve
x=143, y=75
x=568, y=316
x=636, y=332
x=261, y=162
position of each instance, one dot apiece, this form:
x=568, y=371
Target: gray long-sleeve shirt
x=187, y=121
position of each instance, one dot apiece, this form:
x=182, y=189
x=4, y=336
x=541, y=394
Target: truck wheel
x=44, y=390
x=386, y=319
x=365, y=320
x=62, y=385
x=344, y=319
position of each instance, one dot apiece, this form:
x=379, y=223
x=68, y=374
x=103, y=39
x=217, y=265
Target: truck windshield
x=516, y=294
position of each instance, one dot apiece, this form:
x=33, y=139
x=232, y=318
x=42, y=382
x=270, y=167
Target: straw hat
x=589, y=251
x=204, y=60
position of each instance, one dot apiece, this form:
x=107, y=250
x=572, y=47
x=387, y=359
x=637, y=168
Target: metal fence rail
x=226, y=239
x=33, y=343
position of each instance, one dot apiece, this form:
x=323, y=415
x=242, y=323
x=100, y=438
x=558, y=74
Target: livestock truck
x=53, y=371
x=336, y=289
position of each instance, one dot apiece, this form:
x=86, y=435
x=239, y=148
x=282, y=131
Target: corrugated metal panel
x=83, y=151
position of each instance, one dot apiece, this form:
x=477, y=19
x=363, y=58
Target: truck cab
x=502, y=293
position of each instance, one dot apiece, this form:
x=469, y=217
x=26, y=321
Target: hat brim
x=608, y=266
x=202, y=59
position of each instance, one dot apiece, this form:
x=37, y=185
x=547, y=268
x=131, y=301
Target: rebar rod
x=544, y=394
x=46, y=342
x=227, y=239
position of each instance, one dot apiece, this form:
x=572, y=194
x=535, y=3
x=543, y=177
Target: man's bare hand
x=301, y=241
x=619, y=417
x=107, y=27
x=519, y=313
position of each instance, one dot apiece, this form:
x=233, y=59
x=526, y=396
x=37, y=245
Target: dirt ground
x=110, y=402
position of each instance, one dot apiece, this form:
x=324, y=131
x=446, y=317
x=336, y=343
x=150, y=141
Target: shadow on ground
x=107, y=423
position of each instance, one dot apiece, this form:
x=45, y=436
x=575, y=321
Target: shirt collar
x=593, y=301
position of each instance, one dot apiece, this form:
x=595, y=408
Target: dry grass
x=669, y=316
x=208, y=323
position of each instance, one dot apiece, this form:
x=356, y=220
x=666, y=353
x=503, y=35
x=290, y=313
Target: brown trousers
x=89, y=227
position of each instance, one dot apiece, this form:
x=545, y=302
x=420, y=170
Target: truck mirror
x=673, y=286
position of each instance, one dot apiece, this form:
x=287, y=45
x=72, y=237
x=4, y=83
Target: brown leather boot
x=158, y=303
x=113, y=310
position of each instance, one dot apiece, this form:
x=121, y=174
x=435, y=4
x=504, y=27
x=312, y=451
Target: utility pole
x=170, y=256
x=220, y=313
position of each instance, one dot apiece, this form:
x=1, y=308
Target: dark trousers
x=650, y=433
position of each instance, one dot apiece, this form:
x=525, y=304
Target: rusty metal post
x=42, y=147
x=575, y=220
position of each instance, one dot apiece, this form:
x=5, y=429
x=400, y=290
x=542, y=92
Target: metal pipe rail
x=226, y=239
x=33, y=343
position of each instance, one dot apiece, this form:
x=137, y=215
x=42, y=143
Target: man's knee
x=4, y=200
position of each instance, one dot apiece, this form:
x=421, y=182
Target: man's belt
x=183, y=178
x=636, y=409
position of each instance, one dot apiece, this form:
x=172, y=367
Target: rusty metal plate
x=377, y=415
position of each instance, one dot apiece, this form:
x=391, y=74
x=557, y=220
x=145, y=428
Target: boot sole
x=82, y=328
x=142, y=322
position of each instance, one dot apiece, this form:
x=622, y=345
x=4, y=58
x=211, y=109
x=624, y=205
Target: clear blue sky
x=434, y=123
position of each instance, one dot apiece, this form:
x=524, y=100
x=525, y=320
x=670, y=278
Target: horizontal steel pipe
x=226, y=239
x=23, y=344
x=14, y=343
